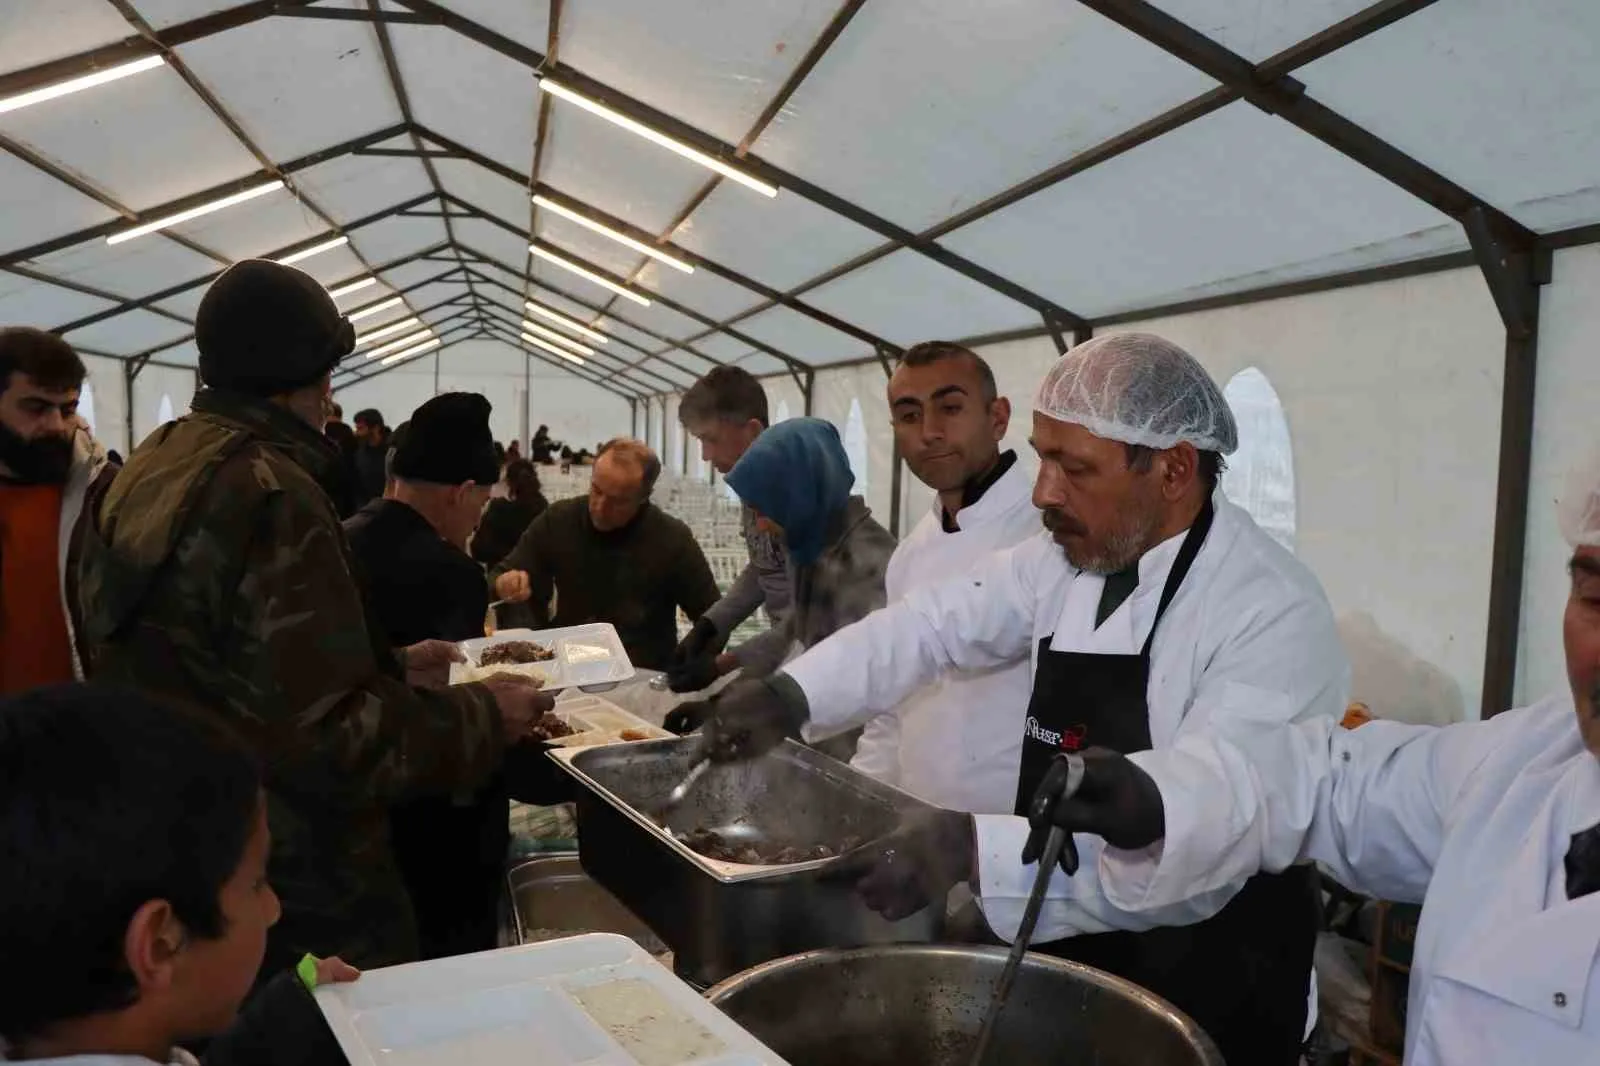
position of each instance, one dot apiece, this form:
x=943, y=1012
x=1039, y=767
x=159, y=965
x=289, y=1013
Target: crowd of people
x=231, y=768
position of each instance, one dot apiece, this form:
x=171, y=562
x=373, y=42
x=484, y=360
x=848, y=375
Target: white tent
x=1372, y=220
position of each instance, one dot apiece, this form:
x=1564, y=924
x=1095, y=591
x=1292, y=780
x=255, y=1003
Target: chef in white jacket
x=1153, y=610
x=949, y=420
x=1493, y=826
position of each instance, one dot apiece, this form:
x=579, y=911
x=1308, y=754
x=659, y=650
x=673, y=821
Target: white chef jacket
x=957, y=741
x=1472, y=820
x=1248, y=643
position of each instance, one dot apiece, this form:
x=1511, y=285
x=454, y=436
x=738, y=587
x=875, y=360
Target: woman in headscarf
x=797, y=478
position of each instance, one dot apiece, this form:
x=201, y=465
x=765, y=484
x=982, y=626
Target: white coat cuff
x=812, y=672
x=1165, y=872
x=1003, y=882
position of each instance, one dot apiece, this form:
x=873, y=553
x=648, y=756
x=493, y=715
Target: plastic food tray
x=599, y=721
x=526, y=1005
x=585, y=655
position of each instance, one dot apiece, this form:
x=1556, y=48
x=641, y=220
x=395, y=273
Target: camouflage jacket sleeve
x=348, y=707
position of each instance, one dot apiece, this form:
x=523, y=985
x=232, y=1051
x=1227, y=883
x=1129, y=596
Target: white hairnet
x=1578, y=506
x=1138, y=388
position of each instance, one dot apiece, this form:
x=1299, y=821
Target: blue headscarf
x=796, y=474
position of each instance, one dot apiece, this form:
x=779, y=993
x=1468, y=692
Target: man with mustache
x=51, y=470
x=1493, y=826
x=1153, y=610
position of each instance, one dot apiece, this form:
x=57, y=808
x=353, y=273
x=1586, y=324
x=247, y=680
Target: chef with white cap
x=1151, y=609
x=1493, y=826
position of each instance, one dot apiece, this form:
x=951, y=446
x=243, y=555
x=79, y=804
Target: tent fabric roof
x=944, y=168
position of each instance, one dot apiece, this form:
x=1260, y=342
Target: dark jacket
x=342, y=479
x=451, y=849
x=420, y=586
x=635, y=577
x=279, y=1025
x=368, y=464
x=503, y=523
x=217, y=577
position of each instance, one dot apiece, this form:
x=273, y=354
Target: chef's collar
x=973, y=490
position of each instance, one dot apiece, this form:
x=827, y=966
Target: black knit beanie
x=264, y=329
x=447, y=442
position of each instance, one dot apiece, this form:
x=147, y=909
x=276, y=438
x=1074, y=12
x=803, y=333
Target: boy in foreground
x=133, y=857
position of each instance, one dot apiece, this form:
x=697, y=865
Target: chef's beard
x=1119, y=549
x=44, y=460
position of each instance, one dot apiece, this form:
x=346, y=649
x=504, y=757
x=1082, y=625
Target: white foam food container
x=599, y=721
x=585, y=655
x=591, y=1000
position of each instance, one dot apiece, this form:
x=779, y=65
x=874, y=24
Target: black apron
x=1243, y=974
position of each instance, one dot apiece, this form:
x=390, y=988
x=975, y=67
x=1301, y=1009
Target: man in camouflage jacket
x=217, y=575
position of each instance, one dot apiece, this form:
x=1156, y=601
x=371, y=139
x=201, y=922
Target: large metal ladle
x=1058, y=841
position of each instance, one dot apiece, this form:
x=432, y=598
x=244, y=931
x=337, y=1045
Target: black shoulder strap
x=1180, y=567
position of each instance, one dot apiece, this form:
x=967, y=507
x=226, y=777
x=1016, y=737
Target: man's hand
x=919, y=863
x=513, y=586
x=686, y=717
x=696, y=643
x=692, y=675
x=748, y=719
x=1099, y=792
x=428, y=663
x=522, y=703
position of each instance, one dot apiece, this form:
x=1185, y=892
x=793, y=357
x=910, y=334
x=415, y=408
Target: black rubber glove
x=696, y=643
x=750, y=718
x=916, y=865
x=692, y=675
x=685, y=718
x=1099, y=792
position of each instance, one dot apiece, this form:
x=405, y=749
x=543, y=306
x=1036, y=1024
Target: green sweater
x=635, y=577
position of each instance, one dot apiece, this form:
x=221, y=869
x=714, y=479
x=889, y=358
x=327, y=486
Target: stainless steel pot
x=718, y=917
x=896, y=1005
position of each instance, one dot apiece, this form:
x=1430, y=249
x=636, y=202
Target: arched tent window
x=164, y=410
x=782, y=414
x=855, y=445
x=86, y=405
x=1260, y=475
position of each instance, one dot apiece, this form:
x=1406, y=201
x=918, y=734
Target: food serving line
x=793, y=966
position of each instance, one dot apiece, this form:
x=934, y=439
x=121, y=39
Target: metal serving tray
x=719, y=917
x=551, y=898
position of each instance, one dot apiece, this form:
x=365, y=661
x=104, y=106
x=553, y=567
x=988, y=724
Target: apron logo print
x=1073, y=737
x=1044, y=736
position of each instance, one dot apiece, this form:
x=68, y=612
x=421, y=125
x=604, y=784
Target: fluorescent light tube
x=606, y=231
x=416, y=349
x=315, y=249
x=396, y=345
x=355, y=286
x=594, y=107
x=194, y=212
x=555, y=338
x=393, y=327
x=566, y=323
x=78, y=84
x=372, y=309
x=585, y=272
x=552, y=349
